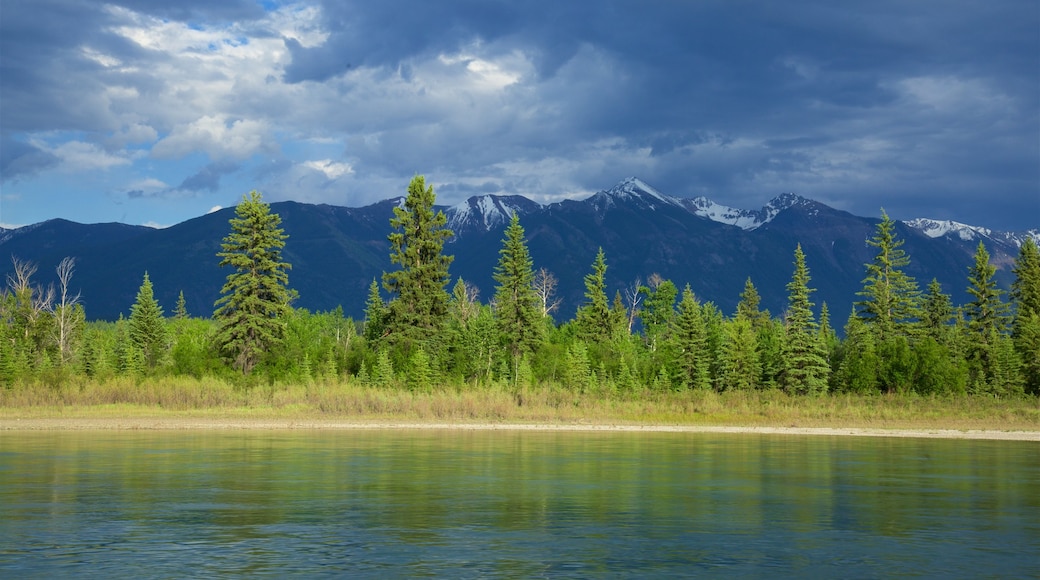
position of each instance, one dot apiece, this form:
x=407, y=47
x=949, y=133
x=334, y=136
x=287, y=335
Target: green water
x=517, y=504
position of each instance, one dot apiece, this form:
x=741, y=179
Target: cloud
x=217, y=137
x=207, y=178
x=907, y=105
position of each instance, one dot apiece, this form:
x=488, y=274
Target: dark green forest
x=422, y=329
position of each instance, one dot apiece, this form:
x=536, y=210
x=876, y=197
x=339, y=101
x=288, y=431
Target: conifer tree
x=805, y=364
x=937, y=312
x=890, y=296
x=748, y=307
x=593, y=320
x=147, y=328
x=180, y=312
x=419, y=304
x=375, y=313
x=691, y=343
x=739, y=366
x=255, y=299
x=1025, y=294
x=857, y=370
x=986, y=317
x=516, y=303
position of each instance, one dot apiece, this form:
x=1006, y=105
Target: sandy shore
x=186, y=423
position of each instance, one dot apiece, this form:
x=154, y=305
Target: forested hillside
x=425, y=326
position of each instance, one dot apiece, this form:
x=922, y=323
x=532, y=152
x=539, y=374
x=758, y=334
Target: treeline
x=431, y=332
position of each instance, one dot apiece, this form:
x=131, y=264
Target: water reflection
x=513, y=503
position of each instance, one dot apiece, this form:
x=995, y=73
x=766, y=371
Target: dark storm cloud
x=921, y=107
x=19, y=159
x=208, y=178
x=805, y=79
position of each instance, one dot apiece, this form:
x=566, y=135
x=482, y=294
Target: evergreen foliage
x=891, y=297
x=805, y=363
x=147, y=328
x=255, y=299
x=691, y=344
x=375, y=314
x=987, y=322
x=593, y=319
x=181, y=310
x=1025, y=295
x=516, y=303
x=418, y=308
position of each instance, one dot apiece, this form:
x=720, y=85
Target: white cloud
x=214, y=209
x=77, y=156
x=331, y=169
x=239, y=140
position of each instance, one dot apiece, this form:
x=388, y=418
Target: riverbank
x=204, y=404
x=181, y=423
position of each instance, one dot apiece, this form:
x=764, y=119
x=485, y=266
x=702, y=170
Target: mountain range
x=336, y=252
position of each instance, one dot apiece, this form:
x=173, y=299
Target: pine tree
x=593, y=319
x=419, y=304
x=516, y=303
x=147, y=328
x=375, y=313
x=739, y=366
x=936, y=314
x=858, y=368
x=181, y=310
x=986, y=317
x=748, y=307
x=691, y=343
x=890, y=296
x=1025, y=329
x=805, y=363
x=255, y=300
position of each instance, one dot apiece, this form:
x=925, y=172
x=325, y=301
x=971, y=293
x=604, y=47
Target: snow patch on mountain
x=485, y=212
x=633, y=190
x=939, y=228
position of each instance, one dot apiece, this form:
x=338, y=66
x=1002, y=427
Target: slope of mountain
x=336, y=251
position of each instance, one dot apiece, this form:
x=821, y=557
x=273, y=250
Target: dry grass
x=185, y=397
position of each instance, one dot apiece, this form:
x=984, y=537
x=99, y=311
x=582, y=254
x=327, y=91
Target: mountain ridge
x=337, y=251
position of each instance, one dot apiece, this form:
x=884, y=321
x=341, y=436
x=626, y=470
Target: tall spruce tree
x=739, y=367
x=1025, y=329
x=748, y=307
x=375, y=314
x=891, y=297
x=805, y=362
x=516, y=303
x=255, y=300
x=419, y=304
x=693, y=358
x=593, y=319
x=147, y=328
x=987, y=321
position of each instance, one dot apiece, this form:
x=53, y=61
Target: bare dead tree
x=65, y=311
x=633, y=297
x=29, y=301
x=545, y=284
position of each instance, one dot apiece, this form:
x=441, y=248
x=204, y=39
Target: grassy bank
x=184, y=397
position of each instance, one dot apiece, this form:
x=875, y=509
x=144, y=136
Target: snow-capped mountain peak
x=938, y=228
x=486, y=211
x=633, y=189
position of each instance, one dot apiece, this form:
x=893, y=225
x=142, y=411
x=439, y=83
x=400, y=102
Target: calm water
x=476, y=504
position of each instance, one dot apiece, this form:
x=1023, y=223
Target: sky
x=154, y=112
